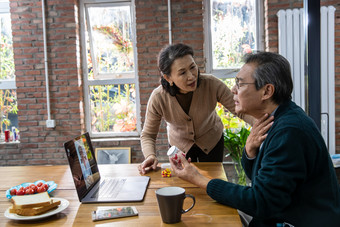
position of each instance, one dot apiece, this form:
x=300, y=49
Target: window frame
x=6, y=84
x=229, y=73
x=117, y=81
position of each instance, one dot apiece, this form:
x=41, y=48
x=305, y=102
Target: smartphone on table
x=103, y=213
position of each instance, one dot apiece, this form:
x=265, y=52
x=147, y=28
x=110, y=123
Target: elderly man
x=293, y=179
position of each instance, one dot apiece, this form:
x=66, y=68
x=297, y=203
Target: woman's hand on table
x=150, y=163
x=186, y=171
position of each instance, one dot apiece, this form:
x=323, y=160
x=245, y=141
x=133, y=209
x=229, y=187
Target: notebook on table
x=90, y=186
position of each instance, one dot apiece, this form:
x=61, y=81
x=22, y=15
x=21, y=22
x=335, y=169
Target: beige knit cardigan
x=201, y=126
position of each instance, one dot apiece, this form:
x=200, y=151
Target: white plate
x=63, y=205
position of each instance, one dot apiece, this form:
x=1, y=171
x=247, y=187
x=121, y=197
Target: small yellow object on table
x=166, y=171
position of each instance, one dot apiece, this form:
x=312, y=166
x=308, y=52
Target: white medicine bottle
x=172, y=151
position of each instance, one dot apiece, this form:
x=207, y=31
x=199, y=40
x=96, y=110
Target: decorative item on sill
x=8, y=105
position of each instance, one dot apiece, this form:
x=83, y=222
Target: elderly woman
x=186, y=100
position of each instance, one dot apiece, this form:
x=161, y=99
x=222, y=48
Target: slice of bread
x=31, y=201
x=35, y=210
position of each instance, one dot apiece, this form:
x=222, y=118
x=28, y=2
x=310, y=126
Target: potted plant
x=236, y=132
x=8, y=105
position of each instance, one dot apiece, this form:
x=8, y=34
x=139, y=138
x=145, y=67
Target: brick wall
x=38, y=144
x=41, y=145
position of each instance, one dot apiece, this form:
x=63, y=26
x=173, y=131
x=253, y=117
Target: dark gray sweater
x=293, y=179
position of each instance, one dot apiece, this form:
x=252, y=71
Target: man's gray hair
x=272, y=68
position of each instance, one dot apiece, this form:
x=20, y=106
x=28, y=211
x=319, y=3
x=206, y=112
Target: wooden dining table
x=206, y=210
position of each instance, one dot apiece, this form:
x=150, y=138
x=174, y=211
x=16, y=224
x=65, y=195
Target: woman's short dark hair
x=274, y=69
x=166, y=58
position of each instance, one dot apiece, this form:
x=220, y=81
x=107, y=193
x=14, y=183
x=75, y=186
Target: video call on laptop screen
x=82, y=163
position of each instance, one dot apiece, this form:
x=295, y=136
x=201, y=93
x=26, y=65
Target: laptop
x=90, y=186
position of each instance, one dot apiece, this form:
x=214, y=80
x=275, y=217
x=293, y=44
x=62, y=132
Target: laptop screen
x=82, y=163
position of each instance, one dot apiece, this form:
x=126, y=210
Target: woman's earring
x=171, y=83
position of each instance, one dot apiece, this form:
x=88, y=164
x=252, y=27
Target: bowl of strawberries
x=31, y=188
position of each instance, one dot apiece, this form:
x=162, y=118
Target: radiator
x=291, y=46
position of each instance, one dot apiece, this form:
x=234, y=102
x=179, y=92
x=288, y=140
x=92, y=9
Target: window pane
x=113, y=108
x=8, y=96
x=232, y=31
x=111, y=38
x=8, y=109
x=6, y=50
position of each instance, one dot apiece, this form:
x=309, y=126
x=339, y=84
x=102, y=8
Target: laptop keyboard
x=109, y=188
